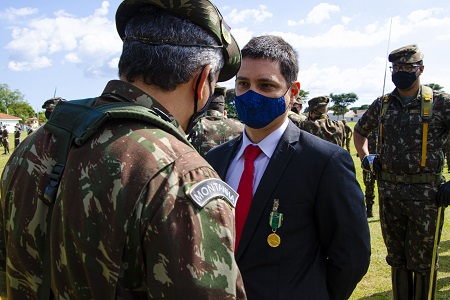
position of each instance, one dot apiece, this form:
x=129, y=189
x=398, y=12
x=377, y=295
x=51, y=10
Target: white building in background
x=9, y=121
x=350, y=116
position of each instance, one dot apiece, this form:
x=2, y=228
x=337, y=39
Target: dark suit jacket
x=325, y=242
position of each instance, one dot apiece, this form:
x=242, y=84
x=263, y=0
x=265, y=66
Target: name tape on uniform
x=202, y=192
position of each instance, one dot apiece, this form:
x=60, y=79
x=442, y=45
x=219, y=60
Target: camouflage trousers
x=408, y=229
x=369, y=182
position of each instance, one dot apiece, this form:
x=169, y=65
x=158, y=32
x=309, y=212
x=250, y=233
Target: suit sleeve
x=343, y=227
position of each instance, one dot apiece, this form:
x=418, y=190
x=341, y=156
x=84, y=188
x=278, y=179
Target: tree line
x=13, y=103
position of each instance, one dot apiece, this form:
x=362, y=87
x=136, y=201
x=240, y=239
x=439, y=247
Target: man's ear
x=204, y=82
x=294, y=91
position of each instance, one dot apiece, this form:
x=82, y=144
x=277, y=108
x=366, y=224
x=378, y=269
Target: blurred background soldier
x=214, y=128
x=348, y=134
x=295, y=114
x=50, y=105
x=414, y=122
x=5, y=139
x=320, y=125
x=17, y=133
x=369, y=178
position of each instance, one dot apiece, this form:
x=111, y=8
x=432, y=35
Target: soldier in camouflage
x=409, y=171
x=214, y=128
x=369, y=178
x=135, y=216
x=49, y=105
x=348, y=132
x=320, y=125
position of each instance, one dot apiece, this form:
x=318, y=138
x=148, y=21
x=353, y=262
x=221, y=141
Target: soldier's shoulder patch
x=204, y=191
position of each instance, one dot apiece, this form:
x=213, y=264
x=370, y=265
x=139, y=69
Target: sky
x=71, y=49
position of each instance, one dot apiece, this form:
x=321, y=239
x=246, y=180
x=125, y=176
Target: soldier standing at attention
x=320, y=125
x=5, y=139
x=414, y=123
x=214, y=128
x=133, y=217
x=348, y=134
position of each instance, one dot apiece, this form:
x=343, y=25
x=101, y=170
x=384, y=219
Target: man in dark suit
x=312, y=244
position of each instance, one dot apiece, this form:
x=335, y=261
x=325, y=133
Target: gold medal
x=273, y=240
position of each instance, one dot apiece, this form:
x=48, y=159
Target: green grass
x=376, y=284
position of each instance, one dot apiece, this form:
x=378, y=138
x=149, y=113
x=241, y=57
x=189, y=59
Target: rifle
x=379, y=133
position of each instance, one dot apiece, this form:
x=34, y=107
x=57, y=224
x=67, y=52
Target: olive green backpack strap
x=426, y=113
x=74, y=123
x=386, y=101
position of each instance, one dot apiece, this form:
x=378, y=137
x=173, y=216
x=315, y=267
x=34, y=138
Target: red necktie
x=245, y=189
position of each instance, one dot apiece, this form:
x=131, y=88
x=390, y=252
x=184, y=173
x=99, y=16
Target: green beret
x=201, y=12
x=406, y=55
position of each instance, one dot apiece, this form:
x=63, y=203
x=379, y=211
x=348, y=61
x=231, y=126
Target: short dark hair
x=274, y=48
x=164, y=65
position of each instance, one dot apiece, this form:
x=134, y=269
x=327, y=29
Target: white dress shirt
x=267, y=145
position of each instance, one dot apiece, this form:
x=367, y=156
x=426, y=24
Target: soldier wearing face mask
x=412, y=123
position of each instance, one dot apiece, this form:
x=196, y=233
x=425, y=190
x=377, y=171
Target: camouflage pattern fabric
x=328, y=130
x=296, y=118
x=369, y=178
x=123, y=226
x=212, y=130
x=348, y=132
x=404, y=205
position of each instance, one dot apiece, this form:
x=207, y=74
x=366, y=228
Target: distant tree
x=13, y=103
x=435, y=86
x=22, y=110
x=364, y=107
x=341, y=101
x=303, y=94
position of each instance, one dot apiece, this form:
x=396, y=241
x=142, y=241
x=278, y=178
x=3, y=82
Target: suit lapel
x=273, y=173
x=227, y=156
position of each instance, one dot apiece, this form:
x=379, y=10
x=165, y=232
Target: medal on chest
x=275, y=220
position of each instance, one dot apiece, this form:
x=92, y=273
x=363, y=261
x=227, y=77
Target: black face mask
x=198, y=114
x=403, y=80
x=48, y=113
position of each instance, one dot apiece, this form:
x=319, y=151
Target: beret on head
x=406, y=55
x=201, y=12
x=51, y=103
x=319, y=104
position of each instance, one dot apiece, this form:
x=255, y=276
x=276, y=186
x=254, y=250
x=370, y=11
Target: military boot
x=422, y=286
x=402, y=283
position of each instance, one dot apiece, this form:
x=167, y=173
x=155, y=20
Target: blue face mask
x=256, y=110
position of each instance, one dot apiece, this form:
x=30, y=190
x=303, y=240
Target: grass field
x=376, y=284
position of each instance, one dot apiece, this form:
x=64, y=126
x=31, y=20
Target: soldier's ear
x=205, y=81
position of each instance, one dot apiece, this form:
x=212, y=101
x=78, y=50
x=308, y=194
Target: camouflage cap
x=51, y=103
x=406, y=55
x=201, y=12
x=220, y=90
x=317, y=102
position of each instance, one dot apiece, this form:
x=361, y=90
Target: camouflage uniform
x=348, y=132
x=214, y=128
x=123, y=226
x=447, y=153
x=369, y=178
x=400, y=160
x=319, y=125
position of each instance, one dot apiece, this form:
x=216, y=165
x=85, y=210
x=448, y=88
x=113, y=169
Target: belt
x=410, y=179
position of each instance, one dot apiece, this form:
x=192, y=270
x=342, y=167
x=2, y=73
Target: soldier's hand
x=443, y=195
x=371, y=163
